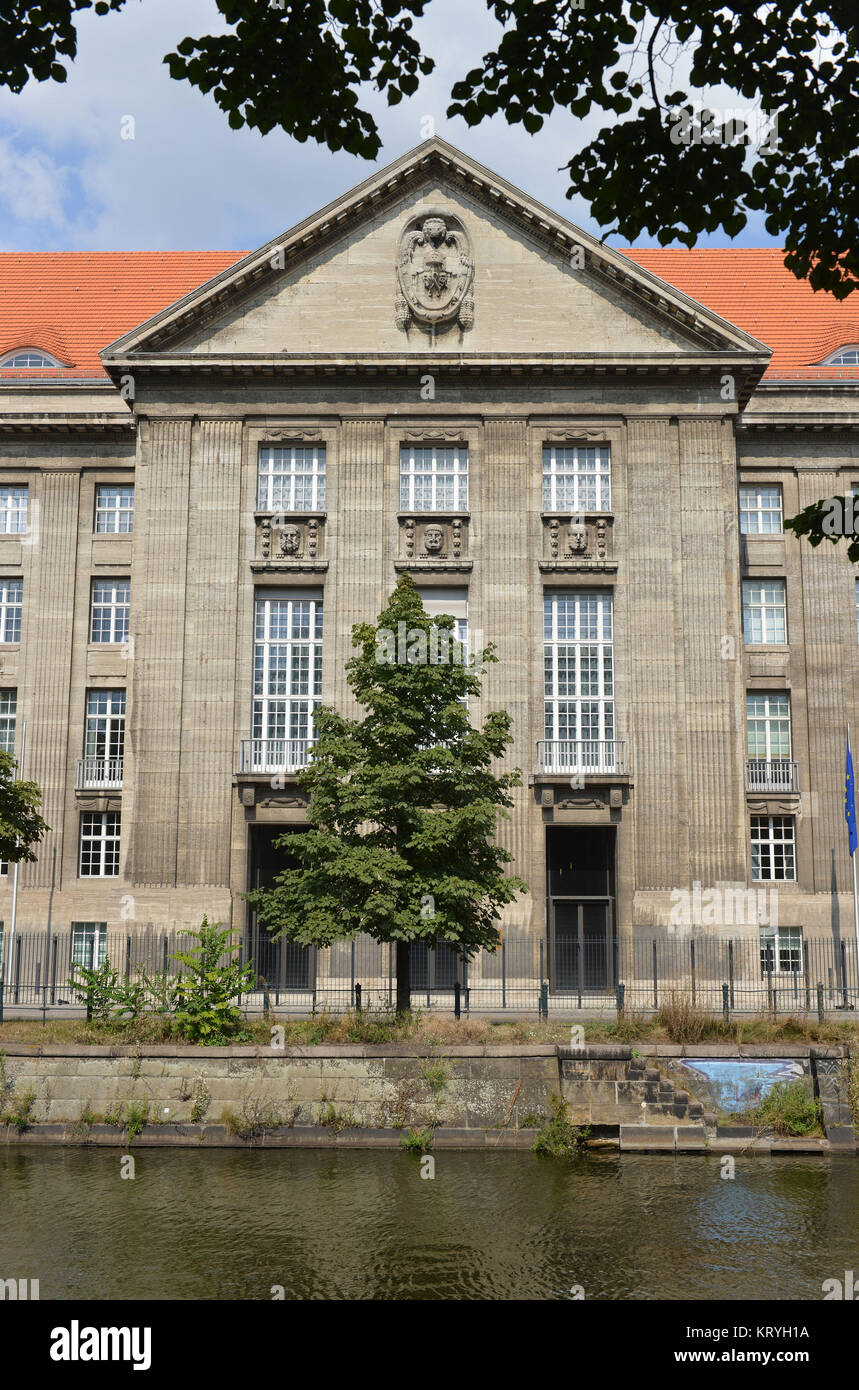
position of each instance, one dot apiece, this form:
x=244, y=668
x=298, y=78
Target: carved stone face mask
x=433, y=539
x=289, y=540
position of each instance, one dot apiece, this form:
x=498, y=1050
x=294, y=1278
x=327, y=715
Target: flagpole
x=855, y=894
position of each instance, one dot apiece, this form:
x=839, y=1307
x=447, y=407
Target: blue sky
x=69, y=181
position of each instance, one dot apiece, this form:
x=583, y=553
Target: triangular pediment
x=435, y=253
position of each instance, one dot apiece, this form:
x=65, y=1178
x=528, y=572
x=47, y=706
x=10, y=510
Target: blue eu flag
x=850, y=800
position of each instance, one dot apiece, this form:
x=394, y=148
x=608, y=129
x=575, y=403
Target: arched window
x=847, y=356
x=29, y=357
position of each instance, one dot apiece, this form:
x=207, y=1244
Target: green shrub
x=787, y=1110
x=558, y=1138
x=417, y=1141
x=136, y=1117
x=205, y=990
x=436, y=1073
x=20, y=1113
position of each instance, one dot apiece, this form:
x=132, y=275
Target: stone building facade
x=435, y=375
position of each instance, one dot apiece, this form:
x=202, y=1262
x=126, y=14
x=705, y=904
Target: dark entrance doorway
x=581, y=890
x=283, y=964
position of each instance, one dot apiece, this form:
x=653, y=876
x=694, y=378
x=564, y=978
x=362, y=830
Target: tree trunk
x=404, y=984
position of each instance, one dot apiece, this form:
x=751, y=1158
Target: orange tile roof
x=72, y=304
x=753, y=290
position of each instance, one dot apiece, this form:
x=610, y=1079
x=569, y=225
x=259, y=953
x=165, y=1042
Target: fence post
x=164, y=954
x=655, y=978
x=390, y=974
x=731, y=971
x=357, y=998
x=352, y=969
x=2, y=973
x=313, y=1008
x=725, y=1005
x=54, y=971
x=17, y=966
x=540, y=996
x=692, y=956
x=579, y=971
x=620, y=992
x=240, y=963
x=503, y=973
x=616, y=954
x=844, y=973
x=805, y=972
x=820, y=1013
x=457, y=1012
x=127, y=956
x=544, y=1000
x=465, y=986
x=266, y=996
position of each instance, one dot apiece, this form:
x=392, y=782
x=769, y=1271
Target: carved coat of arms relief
x=435, y=272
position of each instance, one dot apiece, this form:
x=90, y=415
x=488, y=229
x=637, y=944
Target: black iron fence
x=742, y=974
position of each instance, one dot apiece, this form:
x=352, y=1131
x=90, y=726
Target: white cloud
x=69, y=181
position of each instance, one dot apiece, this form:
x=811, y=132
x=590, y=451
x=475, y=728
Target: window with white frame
x=433, y=478
x=847, y=356
x=13, y=509
x=764, y=612
x=99, y=854
x=11, y=607
x=768, y=724
x=114, y=509
x=576, y=479
x=455, y=602
x=89, y=944
x=8, y=717
x=104, y=739
x=29, y=357
x=760, y=509
x=578, y=676
x=287, y=685
x=111, y=601
x=773, y=849
x=291, y=479
x=781, y=950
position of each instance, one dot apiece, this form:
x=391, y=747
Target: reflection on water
x=328, y=1225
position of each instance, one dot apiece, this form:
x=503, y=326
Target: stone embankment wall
x=257, y=1092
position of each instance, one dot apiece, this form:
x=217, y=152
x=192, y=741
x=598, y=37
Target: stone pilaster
x=158, y=599
x=208, y=752
x=47, y=639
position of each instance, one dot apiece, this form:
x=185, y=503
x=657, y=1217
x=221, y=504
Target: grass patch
x=788, y=1111
x=417, y=1141
x=20, y=1112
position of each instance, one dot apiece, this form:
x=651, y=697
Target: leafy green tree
x=21, y=825
x=662, y=164
x=403, y=803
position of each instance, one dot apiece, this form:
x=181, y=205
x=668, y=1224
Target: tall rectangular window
x=8, y=717
x=111, y=599
x=768, y=724
x=781, y=950
x=576, y=479
x=287, y=680
x=104, y=738
x=433, y=478
x=114, y=509
x=13, y=509
x=773, y=849
x=764, y=612
x=578, y=679
x=11, y=607
x=99, y=850
x=760, y=509
x=292, y=479
x=89, y=944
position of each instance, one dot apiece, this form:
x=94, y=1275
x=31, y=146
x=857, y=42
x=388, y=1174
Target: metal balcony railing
x=594, y=756
x=99, y=774
x=274, y=754
x=771, y=775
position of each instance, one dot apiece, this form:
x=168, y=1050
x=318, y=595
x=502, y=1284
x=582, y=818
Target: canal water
x=231, y=1224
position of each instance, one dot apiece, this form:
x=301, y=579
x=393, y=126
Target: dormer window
x=847, y=356
x=29, y=357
